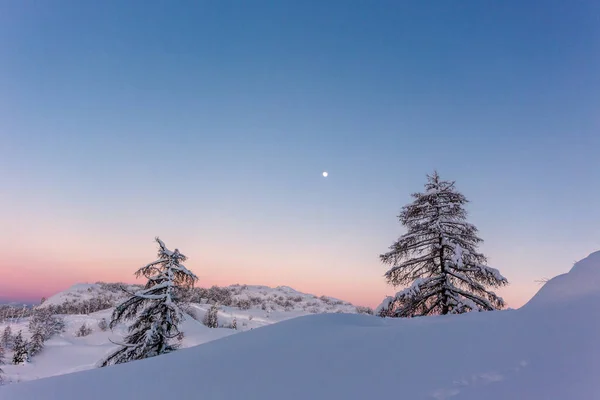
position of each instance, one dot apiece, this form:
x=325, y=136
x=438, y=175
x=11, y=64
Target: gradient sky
x=209, y=123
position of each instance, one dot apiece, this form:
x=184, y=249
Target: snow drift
x=546, y=350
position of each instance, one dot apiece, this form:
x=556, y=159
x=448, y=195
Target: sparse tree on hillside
x=211, y=318
x=437, y=257
x=154, y=309
x=7, y=338
x=20, y=354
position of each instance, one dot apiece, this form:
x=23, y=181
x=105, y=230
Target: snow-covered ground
x=548, y=349
x=66, y=353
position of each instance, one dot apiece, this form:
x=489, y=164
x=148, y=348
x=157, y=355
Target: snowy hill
x=250, y=306
x=582, y=280
x=546, y=350
x=282, y=298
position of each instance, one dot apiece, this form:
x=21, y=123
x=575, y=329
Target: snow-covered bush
x=83, y=330
x=103, y=325
x=233, y=324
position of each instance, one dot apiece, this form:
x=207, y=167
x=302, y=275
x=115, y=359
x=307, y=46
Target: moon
x=325, y=174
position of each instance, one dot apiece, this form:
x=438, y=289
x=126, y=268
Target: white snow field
x=548, y=349
x=66, y=353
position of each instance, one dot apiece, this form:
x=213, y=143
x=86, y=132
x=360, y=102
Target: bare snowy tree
x=437, y=258
x=154, y=309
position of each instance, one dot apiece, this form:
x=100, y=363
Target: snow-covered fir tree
x=438, y=259
x=154, y=309
x=7, y=338
x=2, y=355
x=36, y=345
x=20, y=354
x=211, y=318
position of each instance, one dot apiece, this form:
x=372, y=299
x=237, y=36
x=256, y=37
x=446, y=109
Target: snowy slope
x=546, y=350
x=66, y=353
x=582, y=280
x=86, y=291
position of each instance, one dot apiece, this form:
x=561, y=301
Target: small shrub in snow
x=83, y=330
x=250, y=317
x=103, y=325
x=263, y=306
x=180, y=336
x=211, y=318
x=233, y=324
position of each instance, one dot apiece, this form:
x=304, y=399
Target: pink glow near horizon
x=24, y=283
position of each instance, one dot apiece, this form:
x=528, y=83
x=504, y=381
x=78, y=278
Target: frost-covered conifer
x=211, y=318
x=36, y=345
x=20, y=354
x=154, y=309
x=2, y=355
x=437, y=257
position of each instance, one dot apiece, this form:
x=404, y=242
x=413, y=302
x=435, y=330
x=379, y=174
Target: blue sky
x=209, y=123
